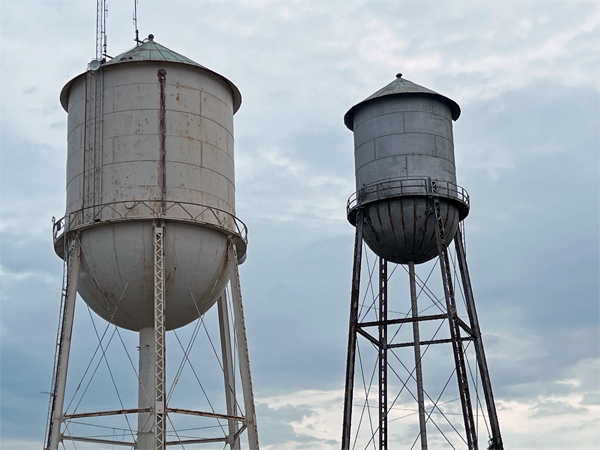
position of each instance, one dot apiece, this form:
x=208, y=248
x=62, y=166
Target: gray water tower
x=407, y=208
x=150, y=238
x=403, y=150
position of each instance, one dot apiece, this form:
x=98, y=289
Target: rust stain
x=170, y=279
x=162, y=81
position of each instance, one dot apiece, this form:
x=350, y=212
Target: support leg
x=228, y=372
x=496, y=442
x=383, y=404
x=417, y=349
x=146, y=389
x=240, y=332
x=64, y=344
x=350, y=361
x=457, y=347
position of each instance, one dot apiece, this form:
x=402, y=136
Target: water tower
x=408, y=209
x=150, y=238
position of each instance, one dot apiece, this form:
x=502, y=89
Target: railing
x=407, y=187
x=135, y=210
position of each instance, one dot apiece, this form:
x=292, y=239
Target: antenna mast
x=101, y=14
x=135, y=26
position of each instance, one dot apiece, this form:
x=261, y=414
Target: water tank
x=150, y=139
x=404, y=155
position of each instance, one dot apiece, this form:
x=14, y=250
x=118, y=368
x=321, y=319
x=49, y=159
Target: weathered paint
x=197, y=168
x=403, y=140
x=402, y=229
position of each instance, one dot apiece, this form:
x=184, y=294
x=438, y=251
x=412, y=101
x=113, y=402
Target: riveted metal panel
x=215, y=109
x=183, y=99
x=74, y=164
x=403, y=146
x=378, y=126
x=116, y=234
x=401, y=229
x=425, y=122
x=117, y=268
x=418, y=143
x=133, y=96
x=364, y=154
x=217, y=160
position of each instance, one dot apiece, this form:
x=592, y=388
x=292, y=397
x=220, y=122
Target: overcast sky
x=527, y=78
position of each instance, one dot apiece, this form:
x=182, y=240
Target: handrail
x=400, y=187
x=134, y=210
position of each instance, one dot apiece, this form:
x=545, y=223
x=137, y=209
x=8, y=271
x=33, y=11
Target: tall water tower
x=150, y=238
x=408, y=209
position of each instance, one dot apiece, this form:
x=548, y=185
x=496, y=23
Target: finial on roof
x=150, y=37
x=398, y=75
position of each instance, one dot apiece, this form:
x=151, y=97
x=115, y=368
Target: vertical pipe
x=350, y=360
x=146, y=389
x=228, y=372
x=84, y=175
x=162, y=81
x=383, y=404
x=65, y=342
x=98, y=141
x=240, y=332
x=496, y=443
x=417, y=348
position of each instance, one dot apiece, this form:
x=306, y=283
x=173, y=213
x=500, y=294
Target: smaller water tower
x=150, y=238
x=407, y=209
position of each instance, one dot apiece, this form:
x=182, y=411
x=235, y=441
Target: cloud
x=313, y=416
x=525, y=76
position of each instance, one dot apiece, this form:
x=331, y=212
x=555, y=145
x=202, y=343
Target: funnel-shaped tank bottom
x=116, y=277
x=401, y=229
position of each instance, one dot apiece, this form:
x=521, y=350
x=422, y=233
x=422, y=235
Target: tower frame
x=137, y=141
x=154, y=434
x=457, y=327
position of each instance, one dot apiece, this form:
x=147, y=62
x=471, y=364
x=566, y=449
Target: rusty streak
x=162, y=81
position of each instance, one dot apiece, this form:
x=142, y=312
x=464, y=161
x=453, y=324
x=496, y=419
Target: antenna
x=101, y=39
x=135, y=26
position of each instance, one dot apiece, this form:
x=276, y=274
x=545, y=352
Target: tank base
x=401, y=229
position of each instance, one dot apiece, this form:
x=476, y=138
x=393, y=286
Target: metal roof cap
x=151, y=50
x=401, y=86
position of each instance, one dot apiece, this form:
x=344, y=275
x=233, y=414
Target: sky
x=527, y=77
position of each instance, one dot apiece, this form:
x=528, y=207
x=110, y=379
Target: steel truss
x=159, y=338
x=460, y=332
x=158, y=409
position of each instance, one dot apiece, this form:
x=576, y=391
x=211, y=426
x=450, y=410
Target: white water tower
x=150, y=238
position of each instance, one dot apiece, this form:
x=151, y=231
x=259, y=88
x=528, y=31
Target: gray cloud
x=527, y=145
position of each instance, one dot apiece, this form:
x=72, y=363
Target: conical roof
x=151, y=50
x=402, y=86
